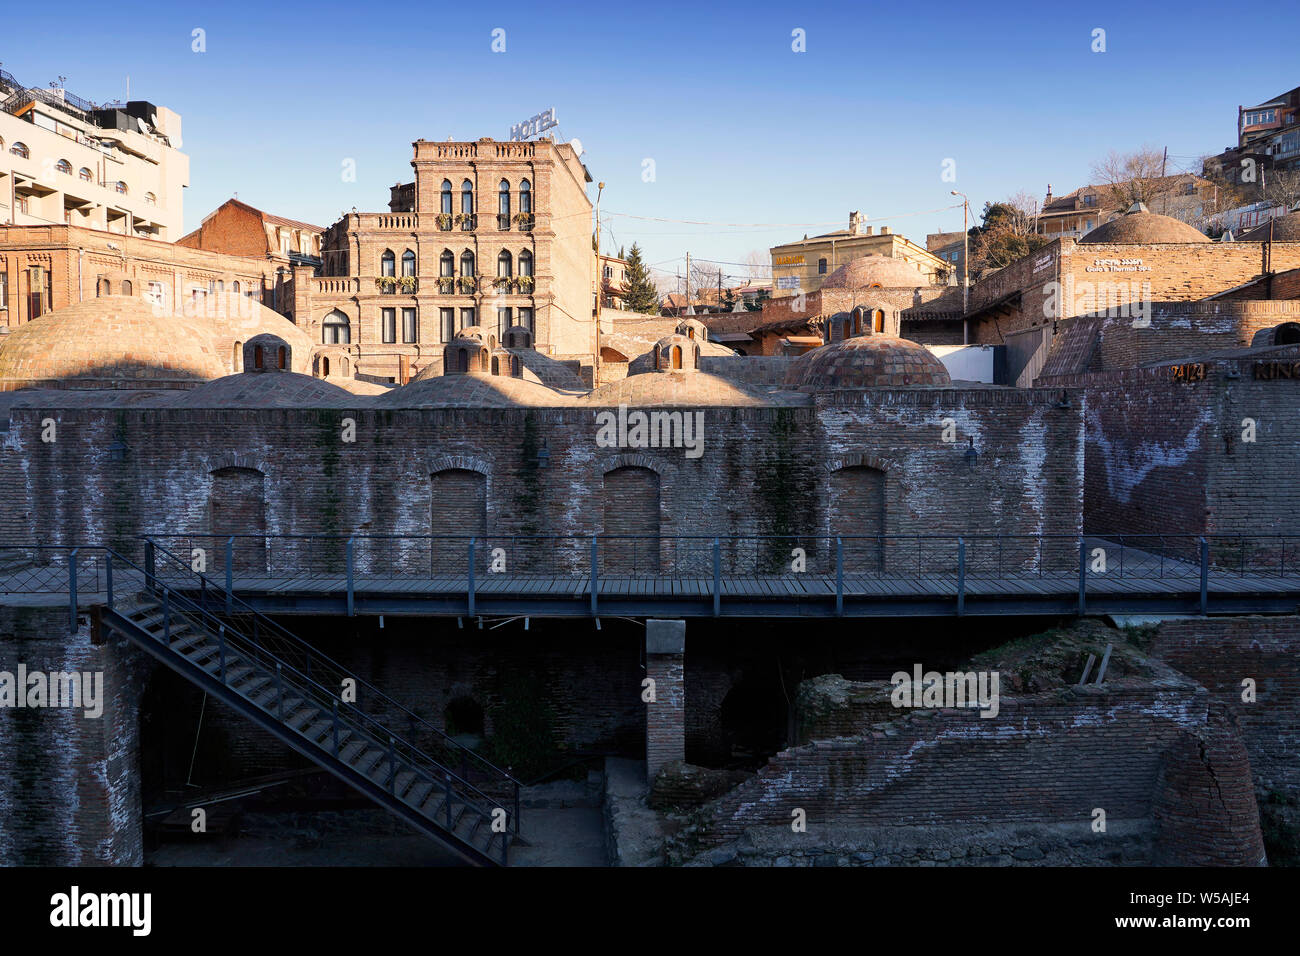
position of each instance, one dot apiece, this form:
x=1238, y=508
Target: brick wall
x=1221, y=653
x=70, y=793
x=1046, y=759
x=1167, y=456
x=762, y=471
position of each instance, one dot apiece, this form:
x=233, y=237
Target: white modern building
x=114, y=167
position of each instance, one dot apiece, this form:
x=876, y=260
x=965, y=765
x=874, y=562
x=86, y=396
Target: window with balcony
x=408, y=263
x=504, y=265
x=388, y=325
x=526, y=265
x=467, y=264
x=410, y=328
x=64, y=167
x=525, y=197
x=20, y=150
x=85, y=175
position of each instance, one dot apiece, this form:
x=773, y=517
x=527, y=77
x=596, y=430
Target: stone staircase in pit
x=302, y=697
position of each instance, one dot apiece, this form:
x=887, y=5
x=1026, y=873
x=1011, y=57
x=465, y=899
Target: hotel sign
x=787, y=260
x=533, y=126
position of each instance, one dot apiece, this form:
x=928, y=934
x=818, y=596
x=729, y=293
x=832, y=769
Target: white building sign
x=533, y=126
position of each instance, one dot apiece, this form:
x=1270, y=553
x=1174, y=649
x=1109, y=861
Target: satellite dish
x=577, y=145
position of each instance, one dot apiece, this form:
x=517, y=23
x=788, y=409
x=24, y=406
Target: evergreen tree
x=642, y=296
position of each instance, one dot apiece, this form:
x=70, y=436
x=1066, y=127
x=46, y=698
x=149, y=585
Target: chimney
x=1049, y=194
x=867, y=230
x=855, y=223
x=884, y=230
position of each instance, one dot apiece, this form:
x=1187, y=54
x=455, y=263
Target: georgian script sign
x=1188, y=372
x=533, y=126
x=1117, y=265
x=1272, y=370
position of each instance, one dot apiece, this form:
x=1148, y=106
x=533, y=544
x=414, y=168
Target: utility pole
x=688, y=283
x=965, y=262
x=600, y=280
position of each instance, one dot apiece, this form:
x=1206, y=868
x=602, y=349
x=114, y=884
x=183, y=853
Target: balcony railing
x=503, y=222
x=391, y=285
x=444, y=221
x=525, y=221
x=467, y=222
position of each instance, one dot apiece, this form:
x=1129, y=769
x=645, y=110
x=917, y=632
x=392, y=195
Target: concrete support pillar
x=665, y=723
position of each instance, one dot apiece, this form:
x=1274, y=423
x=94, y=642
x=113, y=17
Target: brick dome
x=684, y=388
x=1285, y=229
x=286, y=390
x=866, y=361
x=1145, y=227
x=470, y=390
x=109, y=342
x=884, y=271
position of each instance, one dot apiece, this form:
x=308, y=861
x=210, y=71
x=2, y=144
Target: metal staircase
x=315, y=706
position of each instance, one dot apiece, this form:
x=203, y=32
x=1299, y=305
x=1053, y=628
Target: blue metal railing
x=463, y=563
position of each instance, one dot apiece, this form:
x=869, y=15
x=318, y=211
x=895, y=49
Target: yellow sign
x=787, y=260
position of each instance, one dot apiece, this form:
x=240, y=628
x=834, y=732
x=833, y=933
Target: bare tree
x=1128, y=178
x=758, y=265
x=1283, y=187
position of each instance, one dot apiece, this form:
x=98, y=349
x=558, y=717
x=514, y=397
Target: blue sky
x=741, y=129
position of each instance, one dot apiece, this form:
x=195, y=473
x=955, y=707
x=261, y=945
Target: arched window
x=496, y=365
x=878, y=320
x=462, y=360
x=105, y=287
x=324, y=367
x=514, y=366
x=336, y=330
x=690, y=332
x=237, y=358
x=126, y=287
x=677, y=356
x=257, y=356
x=280, y=357
x=64, y=167
x=388, y=263
x=503, y=205
x=20, y=150
x=467, y=198
x=482, y=359
x=446, y=263
x=446, y=197
x=408, y=263
x=525, y=263
x=85, y=174
x=150, y=199
x=234, y=287
x=525, y=197
x=121, y=187
x=221, y=287
x=504, y=264
x=467, y=263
